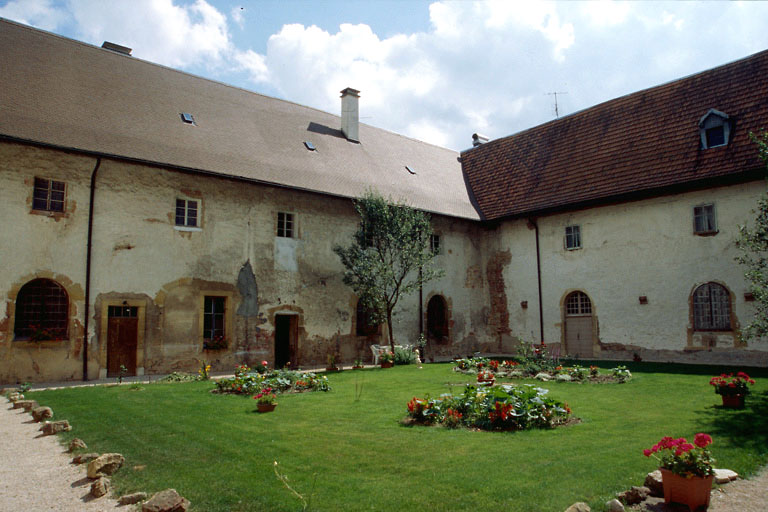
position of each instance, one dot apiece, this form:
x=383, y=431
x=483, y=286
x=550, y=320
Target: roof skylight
x=410, y=169
x=187, y=118
x=309, y=145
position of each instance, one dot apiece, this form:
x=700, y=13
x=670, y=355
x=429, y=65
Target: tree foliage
x=753, y=244
x=389, y=256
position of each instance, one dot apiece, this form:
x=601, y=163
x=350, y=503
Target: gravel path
x=35, y=471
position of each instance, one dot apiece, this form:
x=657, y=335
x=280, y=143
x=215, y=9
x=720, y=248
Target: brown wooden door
x=122, y=340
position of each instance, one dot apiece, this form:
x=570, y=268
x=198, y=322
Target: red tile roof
x=644, y=143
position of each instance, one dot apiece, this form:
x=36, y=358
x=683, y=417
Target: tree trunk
x=389, y=328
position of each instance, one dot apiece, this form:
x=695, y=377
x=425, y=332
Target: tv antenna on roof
x=557, y=111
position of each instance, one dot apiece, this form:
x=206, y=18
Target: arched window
x=437, y=318
x=578, y=304
x=711, y=308
x=42, y=311
x=365, y=324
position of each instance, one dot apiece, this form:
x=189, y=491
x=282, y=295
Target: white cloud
x=37, y=13
x=478, y=66
x=157, y=30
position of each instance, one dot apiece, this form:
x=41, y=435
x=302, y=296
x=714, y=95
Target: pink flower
x=647, y=452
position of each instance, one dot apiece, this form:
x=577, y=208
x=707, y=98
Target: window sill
x=705, y=233
x=187, y=229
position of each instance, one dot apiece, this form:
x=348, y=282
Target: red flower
x=701, y=440
x=647, y=452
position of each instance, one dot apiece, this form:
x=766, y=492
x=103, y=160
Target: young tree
x=389, y=256
x=753, y=244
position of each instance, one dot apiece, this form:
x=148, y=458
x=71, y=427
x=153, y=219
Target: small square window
x=434, y=244
x=704, y=219
x=285, y=225
x=187, y=212
x=573, y=237
x=48, y=195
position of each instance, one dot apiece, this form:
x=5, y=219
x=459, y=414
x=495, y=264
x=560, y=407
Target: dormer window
x=714, y=129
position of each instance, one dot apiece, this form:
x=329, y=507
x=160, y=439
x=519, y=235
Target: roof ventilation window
x=714, y=129
x=188, y=118
x=410, y=169
x=309, y=146
x=116, y=48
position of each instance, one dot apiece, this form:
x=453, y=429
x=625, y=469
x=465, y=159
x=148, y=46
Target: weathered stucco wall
x=40, y=245
x=639, y=249
x=141, y=259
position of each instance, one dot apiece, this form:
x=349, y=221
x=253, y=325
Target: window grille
x=704, y=219
x=573, y=237
x=578, y=304
x=187, y=212
x=285, y=225
x=48, y=195
x=42, y=311
x=711, y=308
x=213, y=317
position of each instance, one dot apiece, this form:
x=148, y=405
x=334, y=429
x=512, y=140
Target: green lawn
x=219, y=454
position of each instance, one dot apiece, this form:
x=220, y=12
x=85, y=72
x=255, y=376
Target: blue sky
x=435, y=71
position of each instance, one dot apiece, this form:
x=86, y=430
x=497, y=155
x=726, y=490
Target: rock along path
x=35, y=470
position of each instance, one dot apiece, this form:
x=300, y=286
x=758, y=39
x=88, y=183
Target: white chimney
x=478, y=139
x=350, y=114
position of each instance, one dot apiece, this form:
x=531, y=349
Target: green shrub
x=403, y=356
x=248, y=382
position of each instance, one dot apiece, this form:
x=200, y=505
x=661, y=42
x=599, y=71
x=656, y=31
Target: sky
x=435, y=71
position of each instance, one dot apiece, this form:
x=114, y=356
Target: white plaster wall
x=642, y=248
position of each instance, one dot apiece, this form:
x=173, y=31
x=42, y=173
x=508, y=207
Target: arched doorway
x=578, y=325
x=437, y=318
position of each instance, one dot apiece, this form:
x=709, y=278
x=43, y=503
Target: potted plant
x=215, y=343
x=686, y=469
x=266, y=400
x=486, y=378
x=732, y=388
x=386, y=358
x=358, y=364
x=332, y=364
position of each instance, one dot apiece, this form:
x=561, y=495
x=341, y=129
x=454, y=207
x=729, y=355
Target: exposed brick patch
x=498, y=319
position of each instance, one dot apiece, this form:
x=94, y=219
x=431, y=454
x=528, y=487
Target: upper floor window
x=704, y=219
x=573, y=237
x=286, y=225
x=42, y=310
x=714, y=129
x=434, y=244
x=187, y=212
x=711, y=308
x=48, y=195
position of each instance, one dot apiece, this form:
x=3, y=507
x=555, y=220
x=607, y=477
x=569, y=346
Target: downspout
x=532, y=222
x=88, y=269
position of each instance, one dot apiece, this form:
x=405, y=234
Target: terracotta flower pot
x=387, y=365
x=694, y=491
x=266, y=407
x=733, y=401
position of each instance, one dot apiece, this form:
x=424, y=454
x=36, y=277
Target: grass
x=348, y=454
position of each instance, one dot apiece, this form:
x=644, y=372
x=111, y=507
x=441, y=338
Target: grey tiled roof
x=68, y=94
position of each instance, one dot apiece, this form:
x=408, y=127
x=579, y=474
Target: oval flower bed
x=539, y=370
x=247, y=381
x=505, y=407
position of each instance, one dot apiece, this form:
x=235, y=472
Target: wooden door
x=122, y=340
x=578, y=326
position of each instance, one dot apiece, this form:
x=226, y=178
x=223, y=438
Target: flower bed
x=514, y=369
x=248, y=382
x=506, y=407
